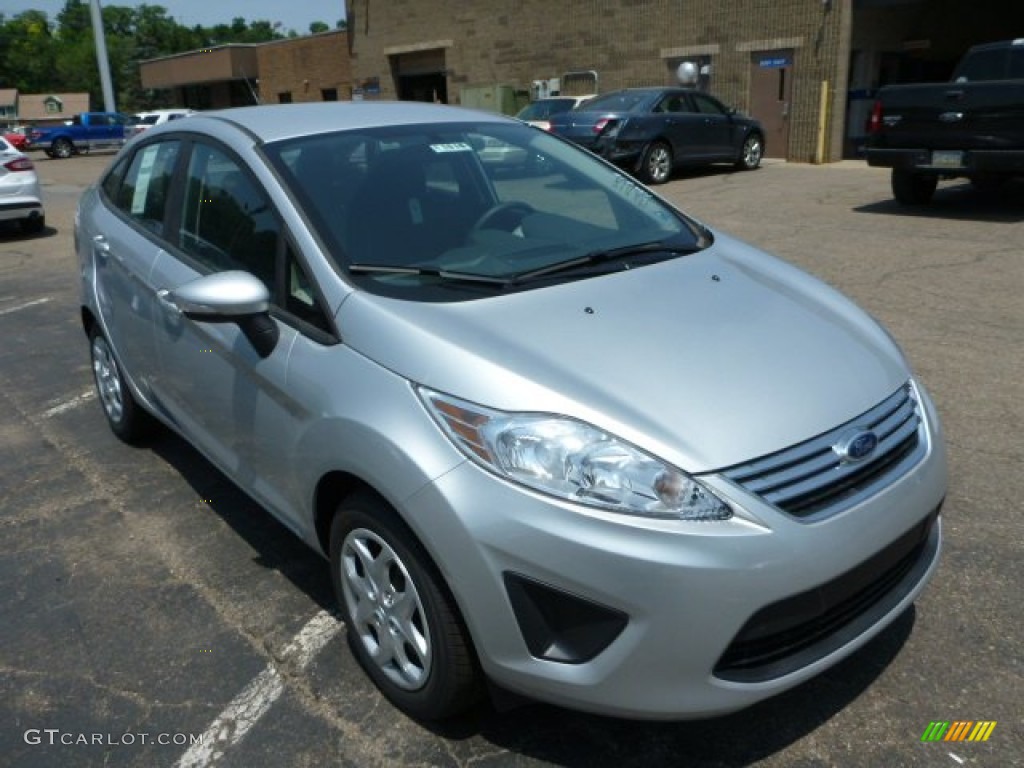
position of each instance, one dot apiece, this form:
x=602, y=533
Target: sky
x=293, y=14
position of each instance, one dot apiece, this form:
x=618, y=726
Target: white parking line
x=67, y=405
x=238, y=718
x=26, y=305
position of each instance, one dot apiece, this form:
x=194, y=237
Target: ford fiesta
x=549, y=431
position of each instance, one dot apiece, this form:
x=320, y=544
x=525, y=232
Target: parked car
x=548, y=430
x=969, y=128
x=537, y=113
x=145, y=120
x=17, y=138
x=21, y=199
x=81, y=134
x=652, y=131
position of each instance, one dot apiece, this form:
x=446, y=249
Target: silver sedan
x=548, y=430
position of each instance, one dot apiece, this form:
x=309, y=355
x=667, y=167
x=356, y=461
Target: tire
x=751, y=153
x=431, y=673
x=63, y=149
x=911, y=188
x=33, y=225
x=656, y=163
x=126, y=418
x=989, y=184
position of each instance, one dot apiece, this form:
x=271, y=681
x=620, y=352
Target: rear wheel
x=403, y=624
x=33, y=225
x=656, y=163
x=751, y=153
x=62, y=148
x=126, y=418
x=911, y=188
x=989, y=183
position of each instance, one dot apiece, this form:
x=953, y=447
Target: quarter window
x=227, y=221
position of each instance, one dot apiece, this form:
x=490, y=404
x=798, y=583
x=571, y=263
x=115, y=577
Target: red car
x=17, y=140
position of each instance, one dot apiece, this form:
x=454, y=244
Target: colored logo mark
x=958, y=730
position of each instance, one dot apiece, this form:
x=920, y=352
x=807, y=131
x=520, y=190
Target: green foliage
x=40, y=55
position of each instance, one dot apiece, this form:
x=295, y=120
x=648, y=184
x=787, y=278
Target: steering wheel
x=506, y=216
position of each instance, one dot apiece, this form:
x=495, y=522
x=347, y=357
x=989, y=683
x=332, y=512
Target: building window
x=329, y=94
x=53, y=105
x=284, y=97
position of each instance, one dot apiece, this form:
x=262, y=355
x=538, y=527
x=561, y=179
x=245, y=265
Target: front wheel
x=126, y=418
x=403, y=624
x=751, y=153
x=63, y=149
x=656, y=163
x=911, y=188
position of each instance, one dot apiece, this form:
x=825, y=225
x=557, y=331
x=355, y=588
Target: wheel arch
x=88, y=320
x=333, y=488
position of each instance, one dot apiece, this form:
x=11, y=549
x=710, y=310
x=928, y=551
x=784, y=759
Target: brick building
x=806, y=68
x=308, y=68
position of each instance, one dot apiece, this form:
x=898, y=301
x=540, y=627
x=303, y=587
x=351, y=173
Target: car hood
x=706, y=360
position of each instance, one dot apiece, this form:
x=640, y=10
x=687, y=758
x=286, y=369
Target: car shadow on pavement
x=960, y=200
x=277, y=548
x=563, y=737
x=10, y=232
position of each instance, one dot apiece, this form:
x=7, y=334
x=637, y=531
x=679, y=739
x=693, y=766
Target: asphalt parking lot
x=145, y=602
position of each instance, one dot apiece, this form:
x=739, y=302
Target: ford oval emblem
x=856, y=446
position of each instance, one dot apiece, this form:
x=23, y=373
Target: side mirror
x=230, y=297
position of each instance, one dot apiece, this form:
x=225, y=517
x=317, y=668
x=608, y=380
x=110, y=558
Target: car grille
x=792, y=633
x=811, y=478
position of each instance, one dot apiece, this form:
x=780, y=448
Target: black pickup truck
x=970, y=127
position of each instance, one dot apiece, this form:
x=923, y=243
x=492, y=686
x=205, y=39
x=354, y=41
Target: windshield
x=406, y=210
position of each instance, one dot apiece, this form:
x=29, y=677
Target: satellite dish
x=687, y=73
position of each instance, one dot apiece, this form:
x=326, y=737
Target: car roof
x=274, y=122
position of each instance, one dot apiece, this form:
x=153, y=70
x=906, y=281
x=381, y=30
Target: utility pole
x=101, y=56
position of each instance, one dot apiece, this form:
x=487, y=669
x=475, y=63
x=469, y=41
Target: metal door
x=771, y=97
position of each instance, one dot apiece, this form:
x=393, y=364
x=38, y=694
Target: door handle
x=954, y=94
x=167, y=301
x=101, y=246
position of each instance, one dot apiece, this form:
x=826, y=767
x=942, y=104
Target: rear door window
x=142, y=194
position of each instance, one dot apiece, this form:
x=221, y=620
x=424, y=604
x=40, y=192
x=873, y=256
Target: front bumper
x=684, y=591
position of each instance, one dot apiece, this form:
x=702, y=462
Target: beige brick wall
x=304, y=67
x=628, y=42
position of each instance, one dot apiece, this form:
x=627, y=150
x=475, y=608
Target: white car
x=21, y=199
x=537, y=113
x=157, y=117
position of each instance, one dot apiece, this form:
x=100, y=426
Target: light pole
x=101, y=56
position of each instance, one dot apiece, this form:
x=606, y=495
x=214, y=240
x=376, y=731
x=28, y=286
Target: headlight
x=572, y=460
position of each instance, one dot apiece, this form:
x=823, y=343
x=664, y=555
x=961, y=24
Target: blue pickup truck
x=82, y=133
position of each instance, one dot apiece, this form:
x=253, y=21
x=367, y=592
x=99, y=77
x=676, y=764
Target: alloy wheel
x=385, y=609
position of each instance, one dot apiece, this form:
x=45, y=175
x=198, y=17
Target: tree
x=28, y=56
x=317, y=27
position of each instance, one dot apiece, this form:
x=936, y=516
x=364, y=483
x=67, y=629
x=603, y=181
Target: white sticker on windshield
x=459, y=146
x=143, y=179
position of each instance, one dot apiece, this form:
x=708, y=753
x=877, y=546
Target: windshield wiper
x=441, y=274
x=597, y=257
